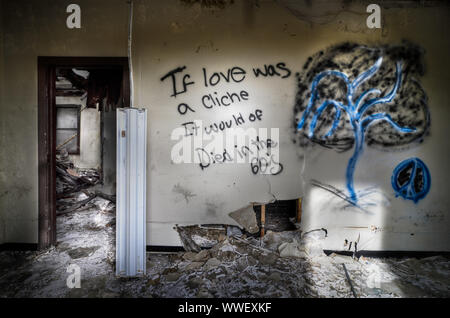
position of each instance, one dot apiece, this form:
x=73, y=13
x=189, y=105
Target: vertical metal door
x=131, y=192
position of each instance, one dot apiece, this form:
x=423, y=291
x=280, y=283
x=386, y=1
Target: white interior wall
x=90, y=142
x=167, y=37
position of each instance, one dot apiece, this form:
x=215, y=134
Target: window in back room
x=68, y=127
x=78, y=128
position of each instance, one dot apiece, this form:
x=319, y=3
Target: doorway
x=101, y=84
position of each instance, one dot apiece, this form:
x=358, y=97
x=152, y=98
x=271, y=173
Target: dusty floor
x=234, y=267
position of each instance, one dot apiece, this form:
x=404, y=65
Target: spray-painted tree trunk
x=359, y=146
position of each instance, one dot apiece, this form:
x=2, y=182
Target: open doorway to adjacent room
x=77, y=101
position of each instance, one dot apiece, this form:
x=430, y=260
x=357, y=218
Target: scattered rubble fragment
x=196, y=237
x=292, y=249
x=246, y=218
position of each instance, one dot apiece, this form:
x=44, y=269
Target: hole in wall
x=279, y=216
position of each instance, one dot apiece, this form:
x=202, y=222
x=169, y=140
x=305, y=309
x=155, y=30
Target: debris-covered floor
x=222, y=261
x=235, y=266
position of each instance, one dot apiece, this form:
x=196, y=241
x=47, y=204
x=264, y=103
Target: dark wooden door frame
x=47, y=134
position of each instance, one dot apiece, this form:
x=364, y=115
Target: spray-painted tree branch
x=356, y=110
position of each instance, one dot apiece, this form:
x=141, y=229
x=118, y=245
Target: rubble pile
x=69, y=179
x=285, y=264
x=74, y=187
x=234, y=267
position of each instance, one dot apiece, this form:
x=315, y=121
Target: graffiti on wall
x=350, y=95
x=231, y=137
x=411, y=179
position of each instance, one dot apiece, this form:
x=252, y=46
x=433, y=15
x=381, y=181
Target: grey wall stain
x=211, y=209
x=183, y=191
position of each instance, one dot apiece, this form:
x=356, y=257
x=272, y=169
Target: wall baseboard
x=373, y=254
x=34, y=247
x=18, y=247
x=171, y=249
x=378, y=254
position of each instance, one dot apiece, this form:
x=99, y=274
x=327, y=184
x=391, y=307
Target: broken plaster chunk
x=212, y=263
x=276, y=277
x=186, y=239
x=171, y=277
x=314, y=250
x=234, y=231
x=315, y=235
x=193, y=266
x=312, y=241
x=246, y=218
x=204, y=293
x=202, y=256
x=291, y=250
x=203, y=241
x=267, y=259
x=341, y=259
x=81, y=252
x=225, y=251
x=189, y=256
x=195, y=282
x=197, y=237
x=272, y=240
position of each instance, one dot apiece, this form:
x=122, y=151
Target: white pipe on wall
x=131, y=192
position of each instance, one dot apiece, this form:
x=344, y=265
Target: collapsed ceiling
x=103, y=86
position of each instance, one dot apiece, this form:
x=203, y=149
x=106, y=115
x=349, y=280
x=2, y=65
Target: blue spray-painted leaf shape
x=411, y=179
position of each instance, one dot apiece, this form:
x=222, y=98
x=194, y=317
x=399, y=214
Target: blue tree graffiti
x=356, y=110
x=411, y=179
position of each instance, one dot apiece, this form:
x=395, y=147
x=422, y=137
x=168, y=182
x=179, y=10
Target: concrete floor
x=235, y=267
